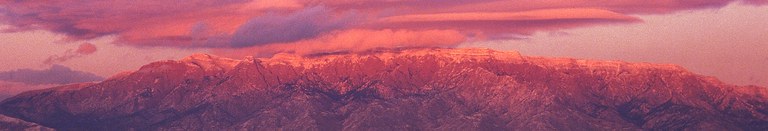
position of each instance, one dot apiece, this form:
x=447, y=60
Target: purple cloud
x=57, y=74
x=280, y=28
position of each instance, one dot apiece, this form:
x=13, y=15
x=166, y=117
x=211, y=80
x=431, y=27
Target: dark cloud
x=276, y=28
x=57, y=74
x=82, y=50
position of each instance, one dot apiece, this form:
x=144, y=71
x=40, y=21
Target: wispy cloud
x=82, y=50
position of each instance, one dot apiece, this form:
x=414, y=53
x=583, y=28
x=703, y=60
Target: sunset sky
x=723, y=38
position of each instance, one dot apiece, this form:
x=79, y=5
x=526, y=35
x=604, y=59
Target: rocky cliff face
x=409, y=89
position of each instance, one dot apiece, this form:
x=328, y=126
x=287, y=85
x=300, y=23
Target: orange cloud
x=543, y=14
x=523, y=22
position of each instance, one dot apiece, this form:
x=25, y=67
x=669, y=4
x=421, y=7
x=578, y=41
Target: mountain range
x=397, y=89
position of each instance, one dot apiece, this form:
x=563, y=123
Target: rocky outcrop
x=408, y=89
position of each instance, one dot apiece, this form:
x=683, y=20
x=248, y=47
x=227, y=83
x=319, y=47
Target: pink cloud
x=82, y=50
x=141, y=22
x=244, y=23
x=756, y=2
x=621, y=6
x=355, y=40
x=86, y=48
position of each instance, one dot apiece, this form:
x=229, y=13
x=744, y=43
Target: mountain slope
x=408, y=89
x=13, y=124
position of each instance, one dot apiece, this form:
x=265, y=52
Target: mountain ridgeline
x=398, y=89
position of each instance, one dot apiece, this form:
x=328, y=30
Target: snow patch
x=210, y=62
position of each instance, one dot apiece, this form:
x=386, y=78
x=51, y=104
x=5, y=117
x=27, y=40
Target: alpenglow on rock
x=398, y=89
